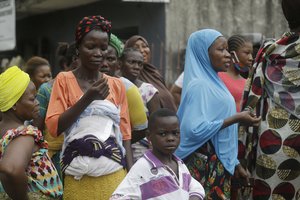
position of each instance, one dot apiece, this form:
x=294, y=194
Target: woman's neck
x=85, y=74
x=233, y=72
x=137, y=82
x=9, y=121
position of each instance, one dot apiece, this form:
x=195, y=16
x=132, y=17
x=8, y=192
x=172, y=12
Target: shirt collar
x=155, y=161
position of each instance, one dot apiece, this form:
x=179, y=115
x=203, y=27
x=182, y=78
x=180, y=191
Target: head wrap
x=290, y=10
x=87, y=24
x=132, y=40
x=117, y=44
x=13, y=83
x=206, y=100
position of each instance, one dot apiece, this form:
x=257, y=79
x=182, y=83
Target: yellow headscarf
x=13, y=83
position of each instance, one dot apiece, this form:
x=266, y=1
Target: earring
x=77, y=52
x=14, y=107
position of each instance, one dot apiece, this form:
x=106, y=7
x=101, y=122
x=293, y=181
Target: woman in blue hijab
x=208, y=116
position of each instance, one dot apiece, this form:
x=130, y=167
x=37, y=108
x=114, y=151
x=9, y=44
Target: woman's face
x=244, y=54
x=144, y=49
x=92, y=49
x=110, y=63
x=27, y=107
x=41, y=75
x=219, y=55
x=132, y=65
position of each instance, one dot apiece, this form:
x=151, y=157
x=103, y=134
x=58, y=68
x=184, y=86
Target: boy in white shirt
x=159, y=174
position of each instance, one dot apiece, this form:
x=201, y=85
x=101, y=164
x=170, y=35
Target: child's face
x=244, y=53
x=165, y=137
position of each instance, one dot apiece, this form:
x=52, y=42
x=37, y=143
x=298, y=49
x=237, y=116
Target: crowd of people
x=108, y=128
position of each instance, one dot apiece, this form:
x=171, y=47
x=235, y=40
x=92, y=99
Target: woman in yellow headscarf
x=25, y=167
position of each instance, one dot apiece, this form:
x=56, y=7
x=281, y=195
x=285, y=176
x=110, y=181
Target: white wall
x=227, y=16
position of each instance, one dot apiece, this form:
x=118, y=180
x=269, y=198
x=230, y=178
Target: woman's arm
x=129, y=158
x=98, y=91
x=59, y=115
x=176, y=92
x=244, y=118
x=13, y=164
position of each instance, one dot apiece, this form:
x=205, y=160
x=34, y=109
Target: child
x=159, y=174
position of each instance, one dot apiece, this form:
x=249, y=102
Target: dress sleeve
x=137, y=113
x=124, y=114
x=57, y=104
x=196, y=189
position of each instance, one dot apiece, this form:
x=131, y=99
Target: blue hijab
x=205, y=103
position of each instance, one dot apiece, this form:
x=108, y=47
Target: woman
x=137, y=114
x=91, y=109
x=241, y=51
x=26, y=169
x=208, y=115
x=149, y=73
x=273, y=91
x=39, y=70
x=131, y=63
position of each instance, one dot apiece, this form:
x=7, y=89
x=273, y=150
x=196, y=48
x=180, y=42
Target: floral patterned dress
x=43, y=179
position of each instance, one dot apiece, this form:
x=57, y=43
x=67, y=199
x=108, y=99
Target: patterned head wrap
x=13, y=83
x=87, y=24
x=290, y=10
x=117, y=44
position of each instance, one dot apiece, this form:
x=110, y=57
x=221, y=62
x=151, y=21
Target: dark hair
x=236, y=41
x=126, y=51
x=65, y=54
x=290, y=10
x=33, y=63
x=162, y=112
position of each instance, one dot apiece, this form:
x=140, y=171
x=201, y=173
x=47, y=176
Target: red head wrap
x=87, y=24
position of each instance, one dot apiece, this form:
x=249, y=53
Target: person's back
x=159, y=174
x=273, y=91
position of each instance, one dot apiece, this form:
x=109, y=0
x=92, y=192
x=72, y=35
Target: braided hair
x=236, y=41
x=87, y=24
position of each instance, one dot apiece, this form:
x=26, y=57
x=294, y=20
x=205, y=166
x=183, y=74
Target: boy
x=159, y=174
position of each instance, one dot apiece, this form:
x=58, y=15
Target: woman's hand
x=247, y=118
x=99, y=90
x=240, y=172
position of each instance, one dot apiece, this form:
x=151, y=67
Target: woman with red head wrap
x=91, y=109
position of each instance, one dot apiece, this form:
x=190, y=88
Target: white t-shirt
x=179, y=81
x=151, y=179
